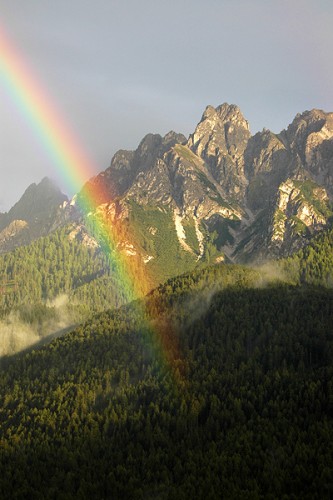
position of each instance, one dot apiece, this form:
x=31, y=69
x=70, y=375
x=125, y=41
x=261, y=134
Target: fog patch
x=273, y=273
x=29, y=325
x=193, y=307
x=15, y=335
x=59, y=301
x=199, y=304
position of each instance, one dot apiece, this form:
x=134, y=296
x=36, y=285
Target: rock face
x=267, y=162
x=223, y=194
x=289, y=186
x=227, y=194
x=310, y=138
x=127, y=165
x=220, y=139
x=34, y=215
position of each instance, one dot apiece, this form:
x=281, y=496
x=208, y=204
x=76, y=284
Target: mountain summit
x=220, y=139
x=221, y=194
x=224, y=193
x=32, y=216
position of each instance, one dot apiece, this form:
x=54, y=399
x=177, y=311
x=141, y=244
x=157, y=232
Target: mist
x=30, y=325
x=274, y=272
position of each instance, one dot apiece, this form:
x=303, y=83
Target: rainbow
x=62, y=147
x=72, y=162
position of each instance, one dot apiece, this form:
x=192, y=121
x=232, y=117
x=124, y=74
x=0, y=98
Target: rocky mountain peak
x=231, y=114
x=310, y=139
x=32, y=216
x=148, y=146
x=221, y=130
x=127, y=166
x=209, y=113
x=37, y=200
x=154, y=146
x=315, y=123
x=172, y=138
x=225, y=113
x=310, y=117
x=266, y=163
x=220, y=139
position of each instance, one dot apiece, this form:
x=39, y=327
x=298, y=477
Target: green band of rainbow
x=67, y=156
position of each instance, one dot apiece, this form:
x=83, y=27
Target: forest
x=216, y=385
x=53, y=284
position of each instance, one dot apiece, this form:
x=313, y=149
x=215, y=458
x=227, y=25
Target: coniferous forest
x=166, y=309
x=216, y=385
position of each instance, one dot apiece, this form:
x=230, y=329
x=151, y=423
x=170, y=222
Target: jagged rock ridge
x=37, y=213
x=220, y=194
x=239, y=196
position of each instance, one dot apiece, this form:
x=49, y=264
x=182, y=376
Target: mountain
x=223, y=194
x=126, y=165
x=175, y=204
x=290, y=184
x=219, y=381
x=214, y=385
x=34, y=215
x=171, y=206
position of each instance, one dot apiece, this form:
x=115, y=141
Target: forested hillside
x=54, y=265
x=55, y=282
x=313, y=264
x=209, y=388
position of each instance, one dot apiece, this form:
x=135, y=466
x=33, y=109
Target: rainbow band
x=73, y=163
x=36, y=106
x=53, y=133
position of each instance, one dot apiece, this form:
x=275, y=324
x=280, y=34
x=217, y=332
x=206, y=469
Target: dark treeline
x=193, y=393
x=217, y=385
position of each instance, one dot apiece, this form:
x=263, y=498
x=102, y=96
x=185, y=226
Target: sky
x=116, y=70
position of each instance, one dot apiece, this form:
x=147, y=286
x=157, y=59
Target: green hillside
x=313, y=264
x=153, y=231
x=209, y=388
x=51, y=266
x=52, y=284
x=57, y=281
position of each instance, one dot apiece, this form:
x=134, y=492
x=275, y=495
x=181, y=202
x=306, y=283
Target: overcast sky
x=117, y=70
